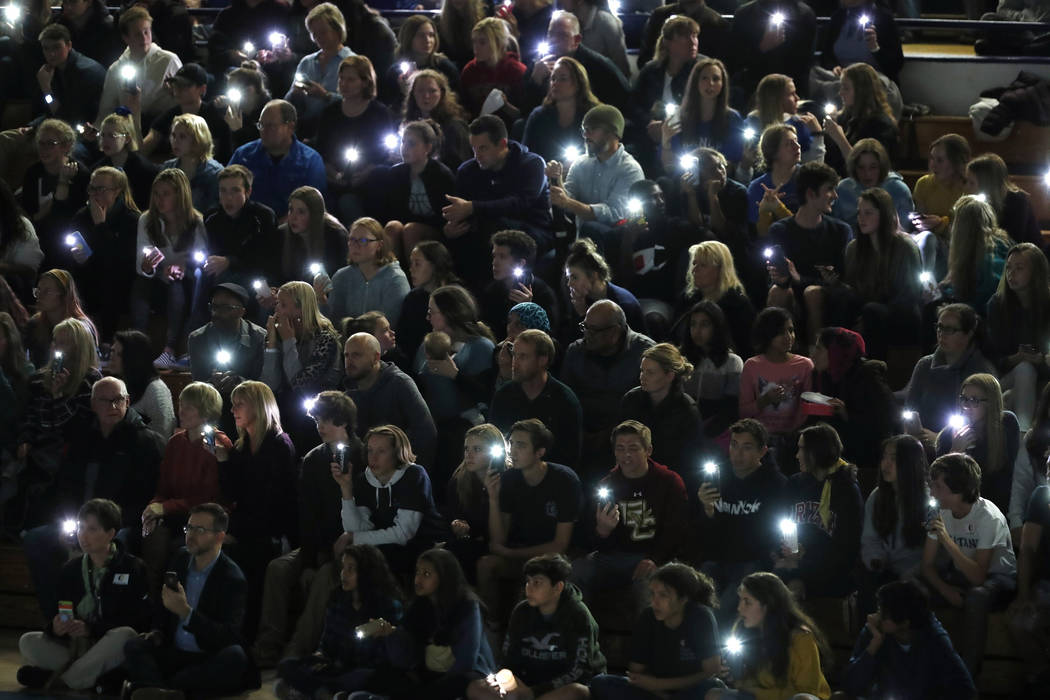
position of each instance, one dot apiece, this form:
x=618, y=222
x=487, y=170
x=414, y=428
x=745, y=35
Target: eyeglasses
x=595, y=330
x=262, y=126
x=38, y=292
x=965, y=400
x=50, y=143
x=198, y=530
x=224, y=307
x=947, y=330
x=112, y=134
x=362, y=241
x=115, y=402
x=96, y=189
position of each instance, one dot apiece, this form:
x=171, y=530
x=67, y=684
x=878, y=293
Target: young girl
x=774, y=196
x=675, y=649
x=170, y=233
x=249, y=84
x=977, y=254
x=706, y=118
x=1019, y=327
x=895, y=516
x=715, y=381
x=776, y=102
x=429, y=266
x=57, y=299
x=780, y=646
x=987, y=174
x=368, y=598
x=310, y=235
x=417, y=45
x=373, y=279
x=935, y=195
x=466, y=499
x=868, y=166
x=118, y=141
x=192, y=148
x=430, y=96
x=865, y=114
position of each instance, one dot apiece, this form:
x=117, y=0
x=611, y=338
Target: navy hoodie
x=519, y=190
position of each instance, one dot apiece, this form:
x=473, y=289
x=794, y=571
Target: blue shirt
x=310, y=68
x=195, y=580
x=274, y=181
x=204, y=185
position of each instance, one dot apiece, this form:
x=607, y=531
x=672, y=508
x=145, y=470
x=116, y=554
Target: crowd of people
x=477, y=311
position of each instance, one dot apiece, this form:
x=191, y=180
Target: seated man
x=600, y=368
x=502, y=187
x=551, y=645
x=534, y=393
x=532, y=509
x=639, y=519
x=196, y=645
x=136, y=79
x=813, y=246
x=738, y=513
x=514, y=281
x=103, y=615
x=279, y=161
x=595, y=191
x=969, y=557
x=1030, y=611
x=188, y=86
x=384, y=395
x=229, y=349
x=903, y=652
x=73, y=80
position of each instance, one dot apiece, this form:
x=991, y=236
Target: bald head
x=361, y=357
x=606, y=325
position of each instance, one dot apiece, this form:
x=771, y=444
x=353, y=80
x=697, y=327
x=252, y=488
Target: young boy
x=551, y=645
x=969, y=557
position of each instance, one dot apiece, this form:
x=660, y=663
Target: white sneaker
x=165, y=361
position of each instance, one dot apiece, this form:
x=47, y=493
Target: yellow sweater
x=932, y=197
x=803, y=675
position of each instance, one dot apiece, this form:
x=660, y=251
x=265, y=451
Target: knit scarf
x=825, y=495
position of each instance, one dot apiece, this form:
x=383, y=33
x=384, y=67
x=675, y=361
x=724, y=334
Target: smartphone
x=775, y=257
x=65, y=610
x=497, y=460
x=58, y=363
x=209, y=436
x=523, y=275
x=171, y=580
x=367, y=629
x=339, y=456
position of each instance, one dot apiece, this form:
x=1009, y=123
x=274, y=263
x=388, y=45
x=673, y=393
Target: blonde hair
x=60, y=128
x=127, y=127
x=203, y=397
x=770, y=141
x=713, y=253
x=769, y=99
x=495, y=31
x=305, y=299
x=186, y=216
x=399, y=441
x=670, y=359
x=200, y=132
x=674, y=27
x=267, y=417
x=120, y=181
x=82, y=359
x=386, y=255
x=993, y=420
x=974, y=234
x=869, y=94
x=468, y=484
x=365, y=71
x=327, y=12
x=993, y=179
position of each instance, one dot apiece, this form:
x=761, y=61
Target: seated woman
x=776, y=102
x=895, y=516
x=56, y=300
x=863, y=404
x=390, y=504
x=880, y=291
x=417, y=49
x=454, y=372
x=553, y=128
x=681, y=617
x=317, y=75
x=372, y=279
x=936, y=379
x=977, y=254
x=1019, y=327
x=868, y=166
x=862, y=32
x=987, y=174
x=494, y=67
x=416, y=188
x=716, y=203
x=780, y=646
x=824, y=502
x=346, y=660
x=455, y=22
x=147, y=392
x=188, y=476
x=109, y=224
x=935, y=195
x=987, y=433
x=660, y=401
x=430, y=266
x=589, y=279
x=303, y=355
x=246, y=95
x=191, y=146
x=430, y=97
x=712, y=277
x=715, y=381
x=170, y=234
x=705, y=119
x=865, y=115
x=119, y=143
x=660, y=86
x=466, y=507
x=774, y=195
x=259, y=474
x=104, y=615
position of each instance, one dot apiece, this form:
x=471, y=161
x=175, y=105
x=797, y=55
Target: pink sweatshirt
x=760, y=375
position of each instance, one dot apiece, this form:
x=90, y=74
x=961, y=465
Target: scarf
x=825, y=496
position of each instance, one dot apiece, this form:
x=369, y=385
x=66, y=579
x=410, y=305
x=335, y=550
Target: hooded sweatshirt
x=394, y=399
x=550, y=652
x=744, y=524
x=396, y=512
x=829, y=551
x=653, y=513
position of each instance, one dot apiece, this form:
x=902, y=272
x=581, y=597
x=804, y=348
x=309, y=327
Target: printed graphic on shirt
x=739, y=507
x=638, y=517
x=544, y=649
x=786, y=405
x=809, y=512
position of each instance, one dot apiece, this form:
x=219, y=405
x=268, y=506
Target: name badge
x=120, y=579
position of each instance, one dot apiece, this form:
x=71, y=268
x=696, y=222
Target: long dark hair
x=453, y=588
x=138, y=366
x=1039, y=290
x=906, y=500
x=783, y=618
x=376, y=584
x=871, y=265
x=460, y=309
x=691, y=103
x=437, y=255
x=688, y=583
x=721, y=340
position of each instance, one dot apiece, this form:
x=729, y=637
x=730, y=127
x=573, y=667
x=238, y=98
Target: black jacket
x=714, y=31
x=248, y=241
x=890, y=57
x=438, y=181
x=76, y=87
x=122, y=597
x=140, y=171
x=98, y=37
x=263, y=486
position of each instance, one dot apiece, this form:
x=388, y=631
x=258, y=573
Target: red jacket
x=478, y=80
x=189, y=474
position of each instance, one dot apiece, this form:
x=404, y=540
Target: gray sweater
x=352, y=294
x=395, y=399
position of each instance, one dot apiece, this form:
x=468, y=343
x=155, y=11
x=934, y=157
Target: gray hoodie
x=395, y=399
